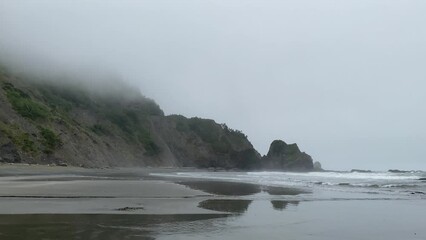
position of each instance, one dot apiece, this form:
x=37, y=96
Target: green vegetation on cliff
x=218, y=135
x=23, y=104
x=50, y=122
x=47, y=107
x=49, y=102
x=50, y=141
x=21, y=139
x=210, y=144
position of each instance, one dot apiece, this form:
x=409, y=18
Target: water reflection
x=226, y=205
x=241, y=205
x=282, y=190
x=281, y=205
x=87, y=226
x=239, y=189
x=130, y=227
x=223, y=188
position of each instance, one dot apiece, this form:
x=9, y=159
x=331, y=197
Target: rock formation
x=283, y=156
x=44, y=122
x=317, y=166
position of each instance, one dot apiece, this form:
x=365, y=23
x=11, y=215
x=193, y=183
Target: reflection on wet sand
x=223, y=188
x=282, y=205
x=88, y=226
x=121, y=205
x=226, y=205
x=282, y=190
x=240, y=205
x=238, y=189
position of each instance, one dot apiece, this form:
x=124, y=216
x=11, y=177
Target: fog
x=343, y=79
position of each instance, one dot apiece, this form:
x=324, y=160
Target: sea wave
x=351, y=181
x=347, y=175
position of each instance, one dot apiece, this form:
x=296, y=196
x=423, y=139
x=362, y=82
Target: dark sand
x=38, y=202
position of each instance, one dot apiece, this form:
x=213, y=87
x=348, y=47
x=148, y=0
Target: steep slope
x=48, y=123
x=204, y=143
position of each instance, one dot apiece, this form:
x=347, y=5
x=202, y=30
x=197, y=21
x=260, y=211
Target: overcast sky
x=346, y=80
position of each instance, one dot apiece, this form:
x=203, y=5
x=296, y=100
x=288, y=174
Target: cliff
x=288, y=157
x=44, y=122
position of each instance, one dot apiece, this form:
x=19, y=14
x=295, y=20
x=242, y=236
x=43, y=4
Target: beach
x=42, y=202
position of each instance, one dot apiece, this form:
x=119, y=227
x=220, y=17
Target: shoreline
x=63, y=190
x=45, y=202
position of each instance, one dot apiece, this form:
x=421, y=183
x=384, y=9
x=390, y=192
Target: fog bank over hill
x=65, y=123
x=36, y=67
x=345, y=80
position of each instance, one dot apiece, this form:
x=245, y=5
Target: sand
x=40, y=202
x=61, y=190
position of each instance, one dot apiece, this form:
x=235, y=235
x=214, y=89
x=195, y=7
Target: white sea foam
x=344, y=175
x=351, y=181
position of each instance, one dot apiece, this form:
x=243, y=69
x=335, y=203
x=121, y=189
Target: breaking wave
x=351, y=181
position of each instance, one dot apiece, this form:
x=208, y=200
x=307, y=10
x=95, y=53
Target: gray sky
x=346, y=80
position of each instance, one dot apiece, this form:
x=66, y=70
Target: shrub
x=23, y=104
x=207, y=129
x=145, y=138
x=221, y=146
x=181, y=122
x=55, y=100
x=121, y=120
x=51, y=141
x=133, y=124
x=21, y=139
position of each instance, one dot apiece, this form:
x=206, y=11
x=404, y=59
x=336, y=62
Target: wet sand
x=64, y=191
x=39, y=202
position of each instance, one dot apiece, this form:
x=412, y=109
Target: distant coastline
x=71, y=124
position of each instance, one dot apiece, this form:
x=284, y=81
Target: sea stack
x=283, y=156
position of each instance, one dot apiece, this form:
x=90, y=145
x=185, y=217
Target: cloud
x=343, y=79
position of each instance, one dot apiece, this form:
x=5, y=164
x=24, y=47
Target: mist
x=345, y=80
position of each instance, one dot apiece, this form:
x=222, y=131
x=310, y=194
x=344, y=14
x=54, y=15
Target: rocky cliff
x=48, y=123
x=286, y=157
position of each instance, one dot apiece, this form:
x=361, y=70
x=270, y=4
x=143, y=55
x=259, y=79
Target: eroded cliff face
x=204, y=143
x=47, y=123
x=288, y=157
x=44, y=122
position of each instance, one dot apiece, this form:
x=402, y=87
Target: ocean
x=332, y=205
x=400, y=184
x=49, y=203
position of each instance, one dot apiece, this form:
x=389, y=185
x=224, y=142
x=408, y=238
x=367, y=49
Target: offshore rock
x=288, y=157
x=317, y=166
